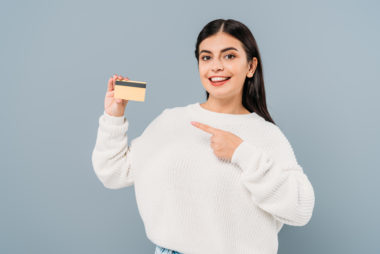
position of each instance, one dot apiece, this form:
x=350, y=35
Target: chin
x=219, y=94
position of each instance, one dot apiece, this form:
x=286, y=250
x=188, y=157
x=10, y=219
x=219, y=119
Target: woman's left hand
x=223, y=142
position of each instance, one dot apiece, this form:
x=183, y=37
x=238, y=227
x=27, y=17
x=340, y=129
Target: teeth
x=218, y=79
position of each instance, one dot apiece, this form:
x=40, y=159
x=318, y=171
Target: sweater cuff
x=118, y=120
x=247, y=156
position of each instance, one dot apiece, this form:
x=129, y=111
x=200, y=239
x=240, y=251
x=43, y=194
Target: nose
x=217, y=65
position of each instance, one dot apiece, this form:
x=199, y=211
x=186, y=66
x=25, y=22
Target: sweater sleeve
x=111, y=156
x=276, y=181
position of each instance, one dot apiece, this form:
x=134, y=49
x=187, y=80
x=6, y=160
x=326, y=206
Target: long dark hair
x=253, y=98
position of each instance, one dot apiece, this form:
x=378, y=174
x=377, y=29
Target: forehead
x=220, y=41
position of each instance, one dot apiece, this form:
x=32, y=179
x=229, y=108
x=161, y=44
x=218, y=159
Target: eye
x=233, y=56
x=204, y=57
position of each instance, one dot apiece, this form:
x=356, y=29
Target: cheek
x=239, y=75
x=236, y=68
x=202, y=71
x=239, y=71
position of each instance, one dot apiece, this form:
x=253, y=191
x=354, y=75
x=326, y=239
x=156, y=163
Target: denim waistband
x=162, y=250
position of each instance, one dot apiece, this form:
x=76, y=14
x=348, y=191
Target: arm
x=111, y=157
x=276, y=181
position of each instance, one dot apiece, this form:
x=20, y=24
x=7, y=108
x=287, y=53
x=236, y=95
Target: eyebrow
x=223, y=50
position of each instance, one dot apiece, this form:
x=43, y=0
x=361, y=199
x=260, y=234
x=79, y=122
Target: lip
x=218, y=83
x=219, y=77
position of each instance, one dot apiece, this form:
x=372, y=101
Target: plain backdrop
x=321, y=70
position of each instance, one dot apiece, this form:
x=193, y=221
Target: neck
x=225, y=106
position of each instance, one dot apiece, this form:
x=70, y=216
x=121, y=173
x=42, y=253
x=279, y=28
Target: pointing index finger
x=204, y=127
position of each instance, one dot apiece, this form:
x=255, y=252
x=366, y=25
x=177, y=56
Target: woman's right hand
x=113, y=106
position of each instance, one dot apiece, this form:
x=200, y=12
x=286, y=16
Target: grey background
x=321, y=65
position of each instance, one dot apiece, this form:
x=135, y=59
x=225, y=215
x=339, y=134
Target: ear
x=252, y=67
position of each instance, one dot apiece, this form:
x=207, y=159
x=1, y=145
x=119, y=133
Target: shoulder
x=272, y=131
x=164, y=117
x=280, y=145
x=174, y=111
x=284, y=147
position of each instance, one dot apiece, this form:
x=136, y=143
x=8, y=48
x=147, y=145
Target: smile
x=218, y=81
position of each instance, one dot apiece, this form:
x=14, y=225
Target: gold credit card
x=130, y=90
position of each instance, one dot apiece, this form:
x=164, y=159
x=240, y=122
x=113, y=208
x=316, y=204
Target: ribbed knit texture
x=192, y=201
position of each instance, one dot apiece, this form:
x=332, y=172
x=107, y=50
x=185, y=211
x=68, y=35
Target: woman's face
x=222, y=55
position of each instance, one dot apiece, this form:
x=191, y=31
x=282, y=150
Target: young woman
x=212, y=177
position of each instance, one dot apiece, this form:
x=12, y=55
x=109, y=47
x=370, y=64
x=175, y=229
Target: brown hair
x=253, y=98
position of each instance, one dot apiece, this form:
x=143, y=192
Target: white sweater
x=195, y=203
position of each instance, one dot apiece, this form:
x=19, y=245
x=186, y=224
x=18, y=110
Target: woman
x=217, y=177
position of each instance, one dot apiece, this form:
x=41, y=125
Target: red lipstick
x=218, y=83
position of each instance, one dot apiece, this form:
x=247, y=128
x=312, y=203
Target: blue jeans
x=162, y=250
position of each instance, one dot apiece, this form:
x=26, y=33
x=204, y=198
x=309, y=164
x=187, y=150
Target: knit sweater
x=192, y=201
